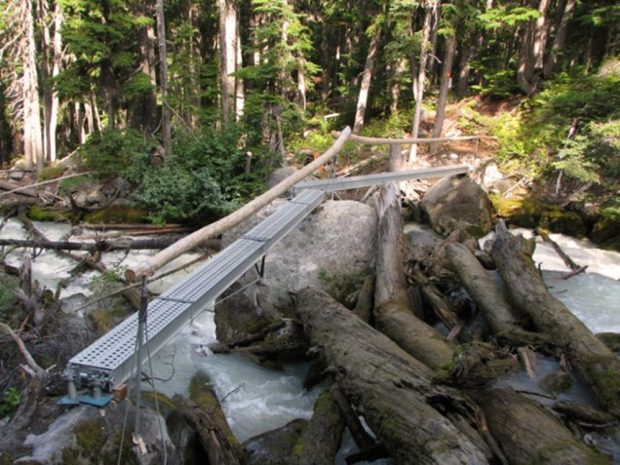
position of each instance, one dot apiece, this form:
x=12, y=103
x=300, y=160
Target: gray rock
x=86, y=435
x=338, y=238
x=422, y=241
x=458, y=203
x=275, y=447
x=280, y=175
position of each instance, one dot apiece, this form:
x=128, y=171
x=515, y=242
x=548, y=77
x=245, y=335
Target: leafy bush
x=202, y=178
x=114, y=152
x=9, y=401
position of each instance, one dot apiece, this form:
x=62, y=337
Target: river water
x=258, y=399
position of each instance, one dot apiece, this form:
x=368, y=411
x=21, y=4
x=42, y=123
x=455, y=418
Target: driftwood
x=213, y=431
x=100, y=245
x=320, y=440
x=22, y=189
x=196, y=238
x=528, y=434
x=583, y=414
x=565, y=258
x=14, y=188
x=133, y=227
x=490, y=298
x=391, y=389
x=595, y=363
x=393, y=315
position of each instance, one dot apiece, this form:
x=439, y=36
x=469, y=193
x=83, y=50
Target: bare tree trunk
x=446, y=81
x=240, y=90
x=163, y=77
x=541, y=33
x=33, y=136
x=396, y=73
x=369, y=66
x=55, y=103
x=465, y=68
x=432, y=63
x=418, y=80
x=559, y=39
x=228, y=57
x=301, y=83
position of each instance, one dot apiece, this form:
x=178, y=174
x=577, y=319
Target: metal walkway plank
x=355, y=182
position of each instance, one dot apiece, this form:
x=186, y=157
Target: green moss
x=72, y=185
x=546, y=455
x=39, y=213
x=524, y=212
x=563, y=222
x=200, y=391
x=343, y=287
x=70, y=456
x=89, y=436
x=166, y=405
x=51, y=172
x=102, y=320
x=117, y=215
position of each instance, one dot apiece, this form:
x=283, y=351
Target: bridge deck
x=110, y=360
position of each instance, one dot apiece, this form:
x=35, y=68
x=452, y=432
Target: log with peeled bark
x=529, y=434
x=390, y=388
x=490, y=299
x=393, y=315
x=594, y=362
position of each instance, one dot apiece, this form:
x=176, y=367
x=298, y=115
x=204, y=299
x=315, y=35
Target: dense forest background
x=193, y=102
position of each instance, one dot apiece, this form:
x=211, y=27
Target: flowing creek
x=258, y=399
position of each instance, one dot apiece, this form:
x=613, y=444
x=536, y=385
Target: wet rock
x=86, y=435
x=556, y=382
x=458, y=203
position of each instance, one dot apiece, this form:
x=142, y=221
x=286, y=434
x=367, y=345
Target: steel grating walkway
x=110, y=360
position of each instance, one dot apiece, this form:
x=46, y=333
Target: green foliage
x=109, y=279
x=9, y=402
x=343, y=287
x=202, y=178
x=51, y=172
x=114, y=152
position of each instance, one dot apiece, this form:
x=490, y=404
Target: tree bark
x=594, y=362
x=33, y=136
x=391, y=388
x=559, y=39
x=490, y=299
x=98, y=245
x=541, y=33
x=163, y=77
x=369, y=66
x=228, y=57
x=446, y=81
x=529, y=434
x=393, y=315
x=214, y=433
x=197, y=237
x=320, y=440
x=418, y=80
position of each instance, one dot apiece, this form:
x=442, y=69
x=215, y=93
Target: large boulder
x=85, y=436
x=337, y=240
x=458, y=203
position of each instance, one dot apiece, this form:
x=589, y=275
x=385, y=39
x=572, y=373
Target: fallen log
x=364, y=304
x=204, y=413
x=565, y=258
x=100, y=245
x=529, y=434
x=196, y=238
x=390, y=388
x=393, y=315
x=594, y=362
x=14, y=188
x=320, y=440
x=490, y=299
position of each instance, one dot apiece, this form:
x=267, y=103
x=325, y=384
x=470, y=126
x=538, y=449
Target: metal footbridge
x=111, y=359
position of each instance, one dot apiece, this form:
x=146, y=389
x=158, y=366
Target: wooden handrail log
x=189, y=242
x=42, y=183
x=420, y=140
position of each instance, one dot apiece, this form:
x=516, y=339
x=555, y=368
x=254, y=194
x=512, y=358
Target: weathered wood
x=14, y=188
x=21, y=189
x=391, y=389
x=595, y=363
x=134, y=227
x=320, y=440
x=214, y=434
x=409, y=141
x=362, y=439
x=490, y=299
x=584, y=414
x=364, y=304
x=196, y=238
x=437, y=301
x=393, y=315
x=565, y=258
x=529, y=434
x=100, y=245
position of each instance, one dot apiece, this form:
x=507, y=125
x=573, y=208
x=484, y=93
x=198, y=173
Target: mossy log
x=391, y=389
x=529, y=434
x=490, y=299
x=205, y=415
x=594, y=362
x=393, y=315
x=320, y=440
